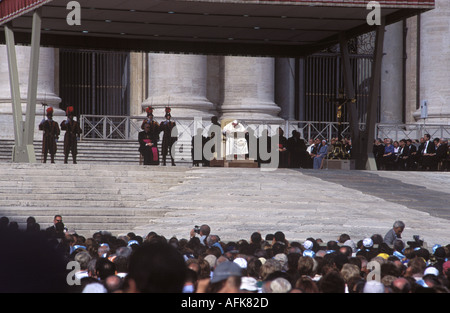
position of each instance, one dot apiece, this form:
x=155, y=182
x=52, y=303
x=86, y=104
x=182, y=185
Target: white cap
x=431, y=271
x=94, y=288
x=368, y=242
x=308, y=245
x=241, y=262
x=248, y=283
x=373, y=286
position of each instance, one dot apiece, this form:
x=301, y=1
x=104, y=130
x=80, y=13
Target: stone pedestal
x=45, y=92
x=249, y=88
x=339, y=164
x=178, y=81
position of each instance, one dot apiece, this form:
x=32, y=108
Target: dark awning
x=276, y=28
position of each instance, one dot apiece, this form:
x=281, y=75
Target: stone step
x=54, y=190
x=90, y=197
x=69, y=203
x=80, y=212
x=86, y=223
x=95, y=151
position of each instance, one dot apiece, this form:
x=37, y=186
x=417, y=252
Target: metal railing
x=412, y=131
x=100, y=127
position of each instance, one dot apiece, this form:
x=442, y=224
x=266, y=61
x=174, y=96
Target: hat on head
x=373, y=286
x=75, y=247
x=308, y=245
x=309, y=253
x=431, y=271
x=49, y=110
x=280, y=285
x=132, y=242
x=399, y=255
x=368, y=243
x=249, y=283
x=384, y=255
x=149, y=109
x=350, y=244
x=241, y=262
x=94, y=288
x=69, y=110
x=225, y=270
x=435, y=247
x=282, y=259
x=211, y=259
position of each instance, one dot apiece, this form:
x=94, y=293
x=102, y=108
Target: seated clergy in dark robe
x=148, y=146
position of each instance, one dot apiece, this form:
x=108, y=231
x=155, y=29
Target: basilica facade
x=414, y=71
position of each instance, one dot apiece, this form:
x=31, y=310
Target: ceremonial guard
x=73, y=132
x=170, y=136
x=149, y=119
x=50, y=136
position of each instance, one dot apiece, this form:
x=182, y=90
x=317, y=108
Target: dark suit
x=442, y=154
x=166, y=127
x=297, y=148
x=378, y=151
x=402, y=158
x=429, y=161
x=283, y=155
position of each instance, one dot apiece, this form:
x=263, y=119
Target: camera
x=197, y=229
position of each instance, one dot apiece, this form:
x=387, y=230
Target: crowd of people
x=405, y=154
x=293, y=151
x=35, y=260
x=408, y=154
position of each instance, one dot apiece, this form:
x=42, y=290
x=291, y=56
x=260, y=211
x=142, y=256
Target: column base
x=251, y=110
x=181, y=107
x=434, y=116
x=7, y=125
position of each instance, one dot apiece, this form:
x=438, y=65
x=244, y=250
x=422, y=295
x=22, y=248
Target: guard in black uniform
x=170, y=136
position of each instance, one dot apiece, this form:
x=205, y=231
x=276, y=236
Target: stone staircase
x=90, y=197
x=96, y=152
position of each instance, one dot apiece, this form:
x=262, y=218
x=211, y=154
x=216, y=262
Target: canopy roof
x=275, y=28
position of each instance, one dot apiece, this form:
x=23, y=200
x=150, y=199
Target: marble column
x=285, y=87
x=435, y=63
x=138, y=81
x=45, y=92
x=411, y=69
x=249, y=89
x=392, y=75
x=179, y=81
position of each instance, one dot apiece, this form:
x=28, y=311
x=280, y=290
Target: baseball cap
x=249, y=283
x=309, y=253
x=368, y=242
x=308, y=245
x=225, y=270
x=241, y=262
x=373, y=286
x=431, y=271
